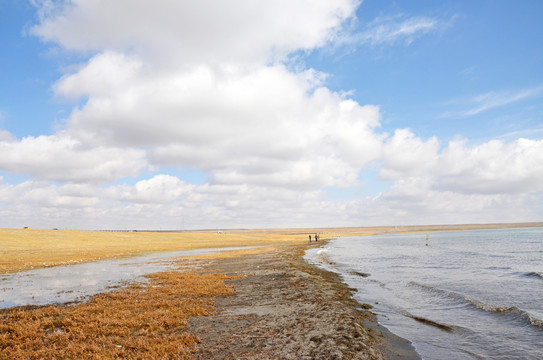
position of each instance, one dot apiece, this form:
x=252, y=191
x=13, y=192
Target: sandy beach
x=283, y=308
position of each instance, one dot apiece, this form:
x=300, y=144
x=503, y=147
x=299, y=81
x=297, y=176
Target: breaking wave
x=513, y=310
x=324, y=257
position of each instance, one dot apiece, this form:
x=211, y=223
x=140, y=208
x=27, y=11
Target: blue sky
x=482, y=47
x=127, y=114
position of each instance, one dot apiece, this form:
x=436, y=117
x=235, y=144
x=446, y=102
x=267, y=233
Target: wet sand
x=284, y=308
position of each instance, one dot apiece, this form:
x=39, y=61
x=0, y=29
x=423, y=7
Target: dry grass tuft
x=142, y=321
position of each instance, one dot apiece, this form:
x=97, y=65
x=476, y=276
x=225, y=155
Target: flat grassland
x=24, y=249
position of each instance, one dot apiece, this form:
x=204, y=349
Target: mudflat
x=284, y=308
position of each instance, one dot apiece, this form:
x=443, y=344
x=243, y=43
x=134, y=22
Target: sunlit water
x=476, y=294
x=64, y=284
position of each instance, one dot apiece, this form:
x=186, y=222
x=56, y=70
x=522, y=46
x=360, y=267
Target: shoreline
x=266, y=303
x=282, y=307
x=28, y=249
x=285, y=308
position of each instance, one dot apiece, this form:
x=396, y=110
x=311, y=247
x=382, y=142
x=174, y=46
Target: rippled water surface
x=467, y=295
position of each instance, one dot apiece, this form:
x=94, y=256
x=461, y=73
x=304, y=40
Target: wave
x=535, y=321
x=366, y=280
x=359, y=273
x=324, y=258
x=429, y=322
x=513, y=310
x=427, y=287
x=534, y=274
x=498, y=268
x=492, y=308
x=322, y=250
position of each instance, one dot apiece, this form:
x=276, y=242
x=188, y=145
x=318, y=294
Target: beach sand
x=284, y=308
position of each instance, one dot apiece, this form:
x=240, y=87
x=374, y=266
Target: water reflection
x=64, y=284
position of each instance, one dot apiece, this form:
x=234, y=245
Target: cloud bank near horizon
x=218, y=89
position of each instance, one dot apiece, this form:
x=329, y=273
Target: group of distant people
x=316, y=237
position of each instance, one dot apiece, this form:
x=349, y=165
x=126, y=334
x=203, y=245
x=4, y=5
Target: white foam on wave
x=511, y=309
x=321, y=251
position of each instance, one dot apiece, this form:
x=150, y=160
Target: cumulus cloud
x=43, y=195
x=222, y=108
x=494, y=167
x=103, y=75
x=163, y=201
x=264, y=125
x=406, y=155
x=416, y=201
x=65, y=159
x=161, y=189
x=194, y=31
x=6, y=135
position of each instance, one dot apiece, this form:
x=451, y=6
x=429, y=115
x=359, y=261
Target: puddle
x=69, y=283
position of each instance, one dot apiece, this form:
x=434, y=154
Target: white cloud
x=65, y=159
x=260, y=125
x=532, y=133
x=103, y=75
x=388, y=30
x=164, y=202
x=494, y=167
x=194, y=31
x=385, y=31
x=160, y=202
x=6, y=135
x=405, y=155
x=161, y=189
x=416, y=201
x=494, y=99
x=40, y=194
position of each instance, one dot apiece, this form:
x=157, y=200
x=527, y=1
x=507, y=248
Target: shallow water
x=65, y=284
x=468, y=295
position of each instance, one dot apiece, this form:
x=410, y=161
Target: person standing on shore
x=310, y=238
x=316, y=237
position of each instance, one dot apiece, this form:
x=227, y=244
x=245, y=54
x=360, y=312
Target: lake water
x=64, y=284
x=467, y=295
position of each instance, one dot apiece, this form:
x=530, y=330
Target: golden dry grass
x=23, y=249
x=138, y=322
